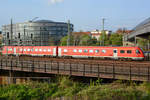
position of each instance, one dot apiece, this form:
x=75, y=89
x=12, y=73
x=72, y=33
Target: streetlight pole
x=123, y=36
x=103, y=33
x=24, y=35
x=68, y=40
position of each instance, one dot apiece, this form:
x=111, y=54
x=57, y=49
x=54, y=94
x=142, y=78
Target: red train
x=134, y=53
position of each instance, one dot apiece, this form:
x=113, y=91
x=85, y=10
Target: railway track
x=82, y=61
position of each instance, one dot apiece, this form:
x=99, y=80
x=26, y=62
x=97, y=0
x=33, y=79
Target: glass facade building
x=34, y=33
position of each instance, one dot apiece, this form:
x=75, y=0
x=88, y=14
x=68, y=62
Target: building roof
x=43, y=21
x=142, y=23
x=82, y=33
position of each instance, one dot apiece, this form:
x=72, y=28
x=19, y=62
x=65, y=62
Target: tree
x=116, y=39
x=84, y=40
x=104, y=39
x=64, y=41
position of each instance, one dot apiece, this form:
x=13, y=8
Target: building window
x=7, y=34
x=31, y=36
x=19, y=35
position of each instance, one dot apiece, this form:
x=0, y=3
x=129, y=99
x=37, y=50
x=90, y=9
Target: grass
x=70, y=90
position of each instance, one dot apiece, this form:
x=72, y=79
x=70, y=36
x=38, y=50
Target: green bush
x=66, y=88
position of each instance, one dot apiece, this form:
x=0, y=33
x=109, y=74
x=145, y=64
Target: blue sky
x=84, y=14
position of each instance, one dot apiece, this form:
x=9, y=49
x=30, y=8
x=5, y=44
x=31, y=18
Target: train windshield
x=137, y=52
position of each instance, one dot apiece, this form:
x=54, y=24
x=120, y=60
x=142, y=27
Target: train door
x=59, y=52
x=54, y=51
x=14, y=51
x=115, y=53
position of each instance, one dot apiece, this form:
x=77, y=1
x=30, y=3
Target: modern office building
x=34, y=33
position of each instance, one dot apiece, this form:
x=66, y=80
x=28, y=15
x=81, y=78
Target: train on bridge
x=132, y=53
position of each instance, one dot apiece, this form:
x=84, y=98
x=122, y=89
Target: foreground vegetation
x=66, y=89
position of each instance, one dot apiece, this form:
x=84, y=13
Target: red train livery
x=134, y=53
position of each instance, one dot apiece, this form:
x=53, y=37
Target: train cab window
x=85, y=51
x=21, y=50
x=137, y=52
x=129, y=51
x=103, y=51
x=91, y=51
x=74, y=50
x=80, y=51
x=122, y=51
x=65, y=50
x=96, y=51
x=49, y=50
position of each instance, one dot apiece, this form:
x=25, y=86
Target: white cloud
x=55, y=1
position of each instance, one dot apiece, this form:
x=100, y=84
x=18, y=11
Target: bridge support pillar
x=135, y=41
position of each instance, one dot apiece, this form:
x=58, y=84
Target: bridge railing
x=128, y=71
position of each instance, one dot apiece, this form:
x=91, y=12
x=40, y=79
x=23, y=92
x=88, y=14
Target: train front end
x=139, y=54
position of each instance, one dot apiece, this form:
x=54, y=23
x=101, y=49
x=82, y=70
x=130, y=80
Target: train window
x=129, y=51
x=122, y=51
x=96, y=51
x=44, y=50
x=103, y=51
x=40, y=49
x=85, y=51
x=137, y=52
x=36, y=49
x=21, y=50
x=65, y=50
x=74, y=50
x=28, y=49
x=24, y=49
x=80, y=51
x=115, y=51
x=49, y=50
x=91, y=51
x=10, y=49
